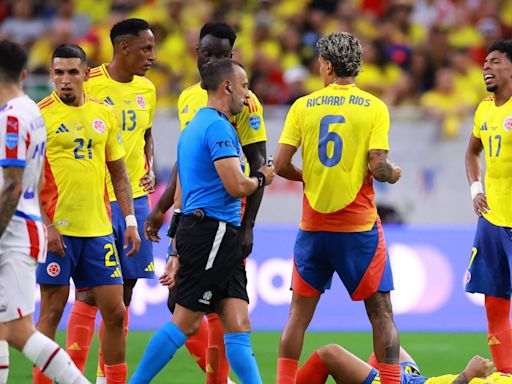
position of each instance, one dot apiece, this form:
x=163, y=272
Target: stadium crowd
x=426, y=53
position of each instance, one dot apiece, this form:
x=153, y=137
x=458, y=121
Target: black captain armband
x=175, y=222
x=262, y=180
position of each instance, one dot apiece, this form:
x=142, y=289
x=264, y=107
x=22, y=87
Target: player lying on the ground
x=347, y=368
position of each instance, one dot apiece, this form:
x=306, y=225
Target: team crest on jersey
x=507, y=123
x=141, y=101
x=99, y=125
x=53, y=269
x=255, y=122
x=11, y=140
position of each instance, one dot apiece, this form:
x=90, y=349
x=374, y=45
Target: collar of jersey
x=342, y=86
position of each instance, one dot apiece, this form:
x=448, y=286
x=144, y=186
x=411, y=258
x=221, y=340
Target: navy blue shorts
x=491, y=259
x=90, y=261
x=141, y=264
x=359, y=258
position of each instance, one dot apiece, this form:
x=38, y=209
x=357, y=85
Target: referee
x=210, y=273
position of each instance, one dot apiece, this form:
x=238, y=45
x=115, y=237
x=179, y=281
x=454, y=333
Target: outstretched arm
x=283, y=163
x=256, y=155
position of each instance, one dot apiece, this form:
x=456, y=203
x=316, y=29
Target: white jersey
x=22, y=144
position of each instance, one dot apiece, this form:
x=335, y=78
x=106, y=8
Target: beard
x=492, y=88
x=68, y=99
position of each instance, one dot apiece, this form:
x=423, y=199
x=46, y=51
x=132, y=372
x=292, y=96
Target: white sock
x=4, y=361
x=52, y=360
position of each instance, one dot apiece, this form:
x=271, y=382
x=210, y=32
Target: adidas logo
x=493, y=340
x=117, y=273
x=109, y=101
x=74, y=347
x=62, y=128
x=150, y=267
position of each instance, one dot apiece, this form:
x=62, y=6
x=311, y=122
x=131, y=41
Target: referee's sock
x=241, y=357
x=161, y=348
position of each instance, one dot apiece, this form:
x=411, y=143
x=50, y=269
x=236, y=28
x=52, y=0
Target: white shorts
x=17, y=284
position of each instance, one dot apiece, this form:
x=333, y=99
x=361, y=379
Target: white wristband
x=476, y=188
x=131, y=221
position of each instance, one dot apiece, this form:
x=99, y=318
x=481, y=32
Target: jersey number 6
x=327, y=137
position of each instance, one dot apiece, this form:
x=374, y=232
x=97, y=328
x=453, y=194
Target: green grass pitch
x=435, y=353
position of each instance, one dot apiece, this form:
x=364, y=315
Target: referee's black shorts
x=212, y=266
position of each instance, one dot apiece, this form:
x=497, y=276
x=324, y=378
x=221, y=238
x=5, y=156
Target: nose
x=151, y=55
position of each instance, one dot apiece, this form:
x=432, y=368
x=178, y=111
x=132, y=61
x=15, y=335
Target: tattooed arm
x=10, y=194
x=477, y=367
x=381, y=168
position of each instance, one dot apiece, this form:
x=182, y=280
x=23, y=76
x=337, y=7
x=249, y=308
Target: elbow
x=237, y=191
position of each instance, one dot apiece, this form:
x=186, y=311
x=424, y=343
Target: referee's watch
x=261, y=179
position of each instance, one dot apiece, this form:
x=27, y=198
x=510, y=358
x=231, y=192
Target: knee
x=191, y=328
x=331, y=352
x=114, y=318
x=237, y=325
x=85, y=297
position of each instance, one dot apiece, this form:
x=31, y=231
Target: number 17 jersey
x=336, y=127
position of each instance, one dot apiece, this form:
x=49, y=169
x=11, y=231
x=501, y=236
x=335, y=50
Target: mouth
x=488, y=78
x=147, y=66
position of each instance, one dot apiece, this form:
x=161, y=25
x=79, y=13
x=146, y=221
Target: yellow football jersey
x=493, y=126
x=80, y=142
x=493, y=378
x=134, y=105
x=248, y=124
x=336, y=127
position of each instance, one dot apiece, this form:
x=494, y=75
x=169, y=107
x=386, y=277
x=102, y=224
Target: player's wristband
x=131, y=221
x=476, y=188
x=262, y=180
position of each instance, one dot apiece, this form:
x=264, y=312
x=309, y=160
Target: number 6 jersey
x=81, y=140
x=22, y=144
x=336, y=127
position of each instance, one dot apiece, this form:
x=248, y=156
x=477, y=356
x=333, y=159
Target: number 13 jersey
x=336, y=127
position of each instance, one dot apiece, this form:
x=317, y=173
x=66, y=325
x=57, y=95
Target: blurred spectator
x=294, y=79
x=446, y=104
x=490, y=30
x=23, y=27
x=463, y=33
x=66, y=11
x=468, y=76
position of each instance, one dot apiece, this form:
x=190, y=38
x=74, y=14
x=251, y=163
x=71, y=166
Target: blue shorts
x=491, y=260
x=90, y=261
x=410, y=375
x=141, y=264
x=359, y=258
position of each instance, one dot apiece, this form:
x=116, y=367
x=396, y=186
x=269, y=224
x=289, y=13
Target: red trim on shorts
x=33, y=236
x=373, y=275
x=50, y=359
x=301, y=287
x=19, y=312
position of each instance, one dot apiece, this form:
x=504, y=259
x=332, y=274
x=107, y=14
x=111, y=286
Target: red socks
x=39, y=377
x=286, y=370
x=499, y=332
x=389, y=373
x=372, y=360
x=116, y=373
x=100, y=371
x=80, y=331
x=217, y=365
x=314, y=371
x=197, y=345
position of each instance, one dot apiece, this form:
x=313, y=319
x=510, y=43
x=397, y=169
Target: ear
x=329, y=67
x=87, y=73
x=23, y=74
x=227, y=87
x=124, y=48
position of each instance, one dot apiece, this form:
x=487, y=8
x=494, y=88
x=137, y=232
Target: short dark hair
x=70, y=51
x=220, y=30
x=12, y=61
x=503, y=46
x=215, y=71
x=128, y=27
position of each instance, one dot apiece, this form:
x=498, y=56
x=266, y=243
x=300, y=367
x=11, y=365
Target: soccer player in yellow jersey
x=491, y=259
x=343, y=132
x=216, y=40
x=83, y=141
x=344, y=367
x=122, y=85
